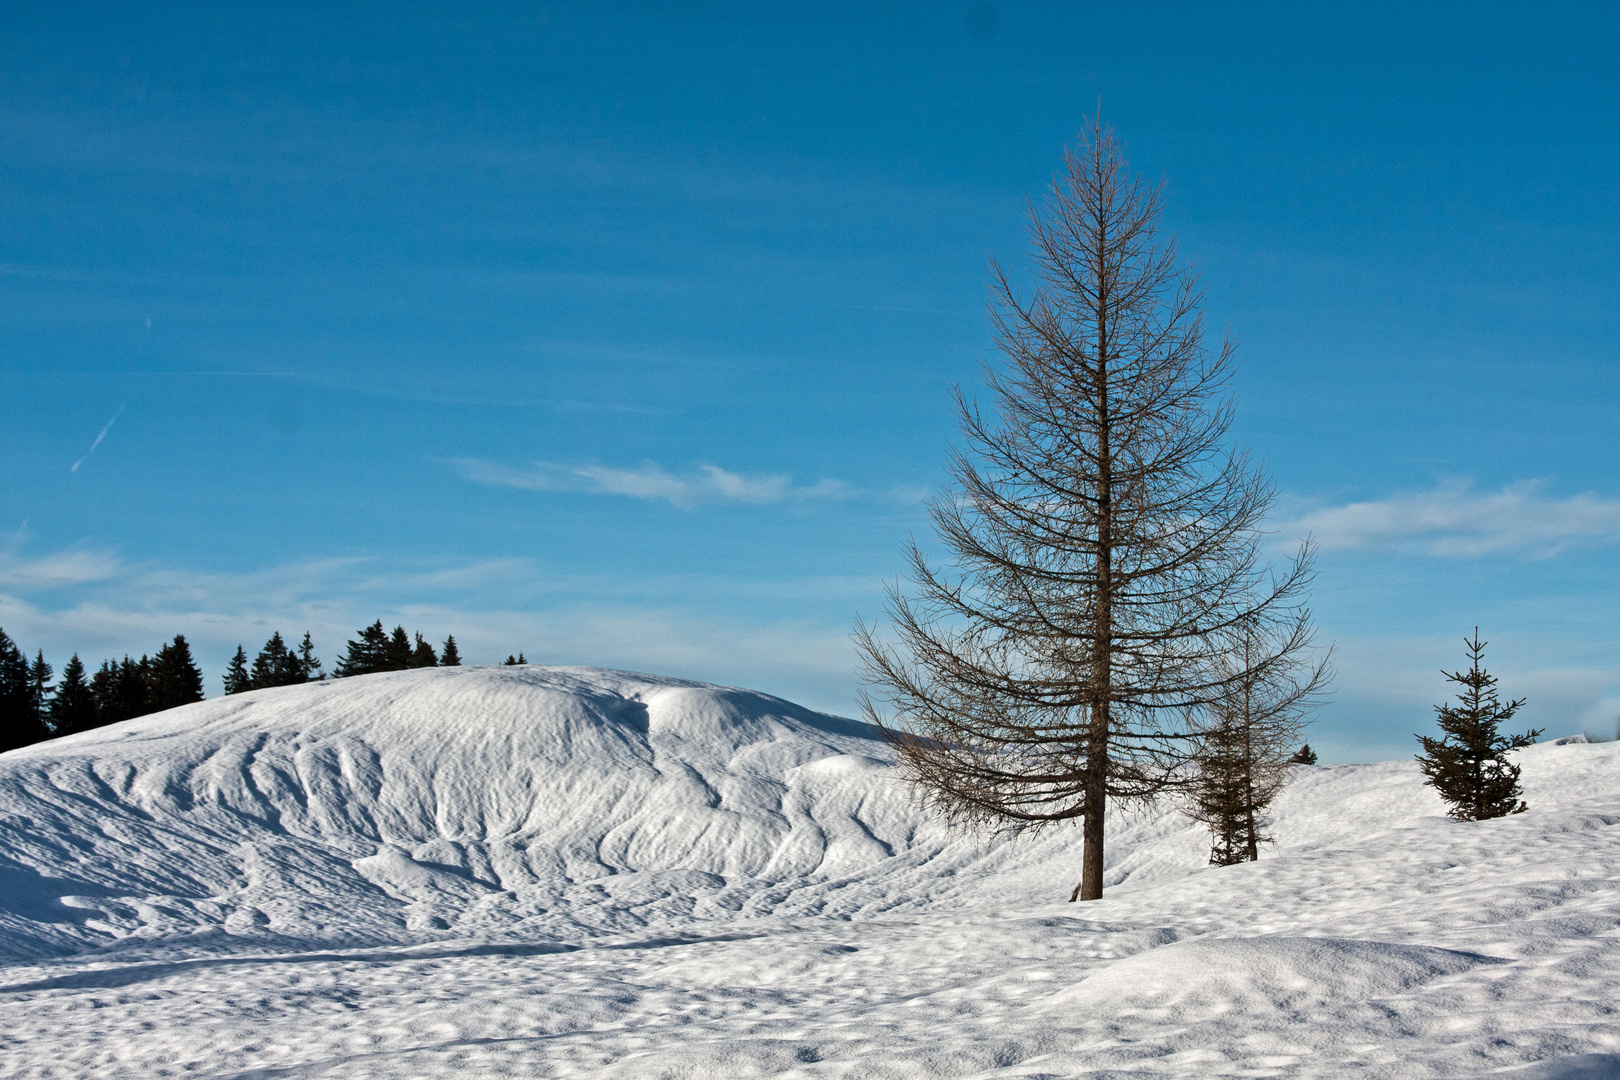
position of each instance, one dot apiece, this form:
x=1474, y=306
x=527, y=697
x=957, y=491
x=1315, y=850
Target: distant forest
x=34, y=708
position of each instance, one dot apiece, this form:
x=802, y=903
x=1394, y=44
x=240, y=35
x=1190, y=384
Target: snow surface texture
x=557, y=872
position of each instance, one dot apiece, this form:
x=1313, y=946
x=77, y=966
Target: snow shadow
x=138, y=973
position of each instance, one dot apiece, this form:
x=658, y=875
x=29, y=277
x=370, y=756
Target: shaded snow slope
x=569, y=872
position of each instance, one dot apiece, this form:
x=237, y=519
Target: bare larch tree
x=1104, y=540
x=1249, y=735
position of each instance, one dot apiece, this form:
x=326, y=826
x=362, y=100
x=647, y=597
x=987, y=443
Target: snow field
x=566, y=872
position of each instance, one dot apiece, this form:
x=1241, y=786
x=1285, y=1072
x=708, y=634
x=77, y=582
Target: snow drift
x=560, y=872
x=478, y=799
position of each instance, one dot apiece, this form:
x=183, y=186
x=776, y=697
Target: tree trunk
x=1251, y=849
x=1091, y=858
x=1102, y=642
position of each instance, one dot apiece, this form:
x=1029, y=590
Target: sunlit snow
x=549, y=872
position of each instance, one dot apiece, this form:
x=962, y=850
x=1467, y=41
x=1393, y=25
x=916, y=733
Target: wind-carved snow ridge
x=533, y=800
x=572, y=872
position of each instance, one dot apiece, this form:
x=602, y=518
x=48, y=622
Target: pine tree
x=277, y=665
x=236, y=673
x=514, y=661
x=423, y=655
x=309, y=661
x=451, y=656
x=399, y=650
x=73, y=704
x=1303, y=756
x=1222, y=798
x=121, y=690
x=366, y=654
x=173, y=677
x=39, y=687
x=1469, y=766
x=19, y=721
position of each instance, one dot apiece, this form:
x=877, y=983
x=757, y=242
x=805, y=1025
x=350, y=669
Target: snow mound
x=473, y=798
x=1205, y=977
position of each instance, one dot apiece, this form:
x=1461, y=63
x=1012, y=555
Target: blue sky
x=624, y=334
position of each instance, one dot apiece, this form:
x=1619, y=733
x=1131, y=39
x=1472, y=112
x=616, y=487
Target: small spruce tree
x=39, y=690
x=121, y=690
x=1469, y=765
x=1242, y=760
x=237, y=679
x=73, y=705
x=1221, y=797
x=423, y=655
x=450, y=656
x=1303, y=756
x=277, y=665
x=309, y=661
x=173, y=677
x=366, y=653
x=399, y=650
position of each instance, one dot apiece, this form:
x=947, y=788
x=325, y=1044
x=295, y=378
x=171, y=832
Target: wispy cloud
x=708, y=629
x=1455, y=520
x=57, y=570
x=652, y=482
x=97, y=443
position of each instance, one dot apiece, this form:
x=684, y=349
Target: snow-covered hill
x=564, y=871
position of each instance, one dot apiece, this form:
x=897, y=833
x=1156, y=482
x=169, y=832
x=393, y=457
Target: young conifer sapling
x=1469, y=765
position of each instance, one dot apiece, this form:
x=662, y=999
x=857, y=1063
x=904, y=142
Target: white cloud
x=493, y=607
x=58, y=570
x=1455, y=520
x=652, y=482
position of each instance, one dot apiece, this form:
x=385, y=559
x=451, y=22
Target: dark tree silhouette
x=237, y=679
x=39, y=688
x=377, y=650
x=367, y=653
x=399, y=650
x=73, y=705
x=276, y=665
x=121, y=690
x=172, y=676
x=308, y=660
x=451, y=656
x=20, y=722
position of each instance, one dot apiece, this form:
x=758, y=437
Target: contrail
x=97, y=443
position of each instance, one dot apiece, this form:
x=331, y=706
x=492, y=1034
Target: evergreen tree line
x=31, y=709
x=373, y=649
